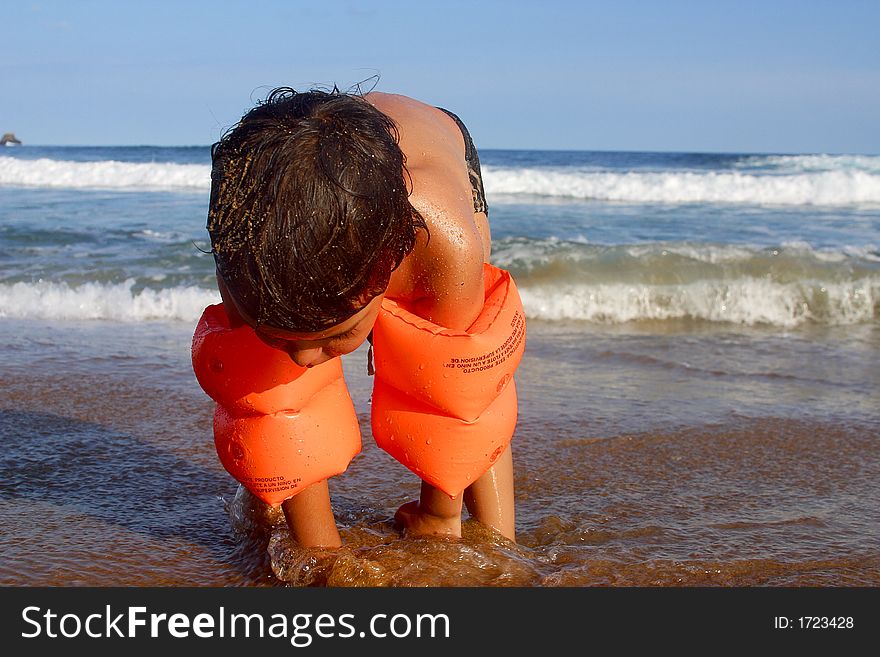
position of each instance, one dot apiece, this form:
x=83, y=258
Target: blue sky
x=719, y=75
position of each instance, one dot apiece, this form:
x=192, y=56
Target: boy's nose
x=308, y=357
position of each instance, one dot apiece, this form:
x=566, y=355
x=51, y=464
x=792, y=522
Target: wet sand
x=641, y=459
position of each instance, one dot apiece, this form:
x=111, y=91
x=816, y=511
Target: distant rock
x=9, y=138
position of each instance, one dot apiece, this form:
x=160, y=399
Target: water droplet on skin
x=428, y=441
x=421, y=366
x=216, y=365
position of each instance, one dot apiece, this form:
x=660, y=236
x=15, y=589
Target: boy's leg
x=434, y=514
x=310, y=517
x=490, y=498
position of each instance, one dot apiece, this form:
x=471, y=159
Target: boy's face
x=309, y=349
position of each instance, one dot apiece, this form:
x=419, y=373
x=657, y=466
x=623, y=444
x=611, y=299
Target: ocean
x=699, y=399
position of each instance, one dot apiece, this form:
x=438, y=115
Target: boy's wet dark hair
x=309, y=212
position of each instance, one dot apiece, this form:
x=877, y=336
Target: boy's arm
x=452, y=291
x=449, y=269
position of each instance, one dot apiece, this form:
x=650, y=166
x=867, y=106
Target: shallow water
x=643, y=457
x=698, y=400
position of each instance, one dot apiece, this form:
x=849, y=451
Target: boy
x=325, y=204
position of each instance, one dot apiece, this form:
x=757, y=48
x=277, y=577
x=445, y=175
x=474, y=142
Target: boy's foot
x=417, y=522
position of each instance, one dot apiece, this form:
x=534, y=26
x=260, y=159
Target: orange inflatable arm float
x=278, y=427
x=444, y=401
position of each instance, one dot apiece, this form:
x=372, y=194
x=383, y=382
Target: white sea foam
x=796, y=180
x=166, y=237
x=567, y=258
x=787, y=285
x=837, y=187
x=708, y=253
x=818, y=162
x=102, y=301
x=105, y=174
x=747, y=301
x=730, y=253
